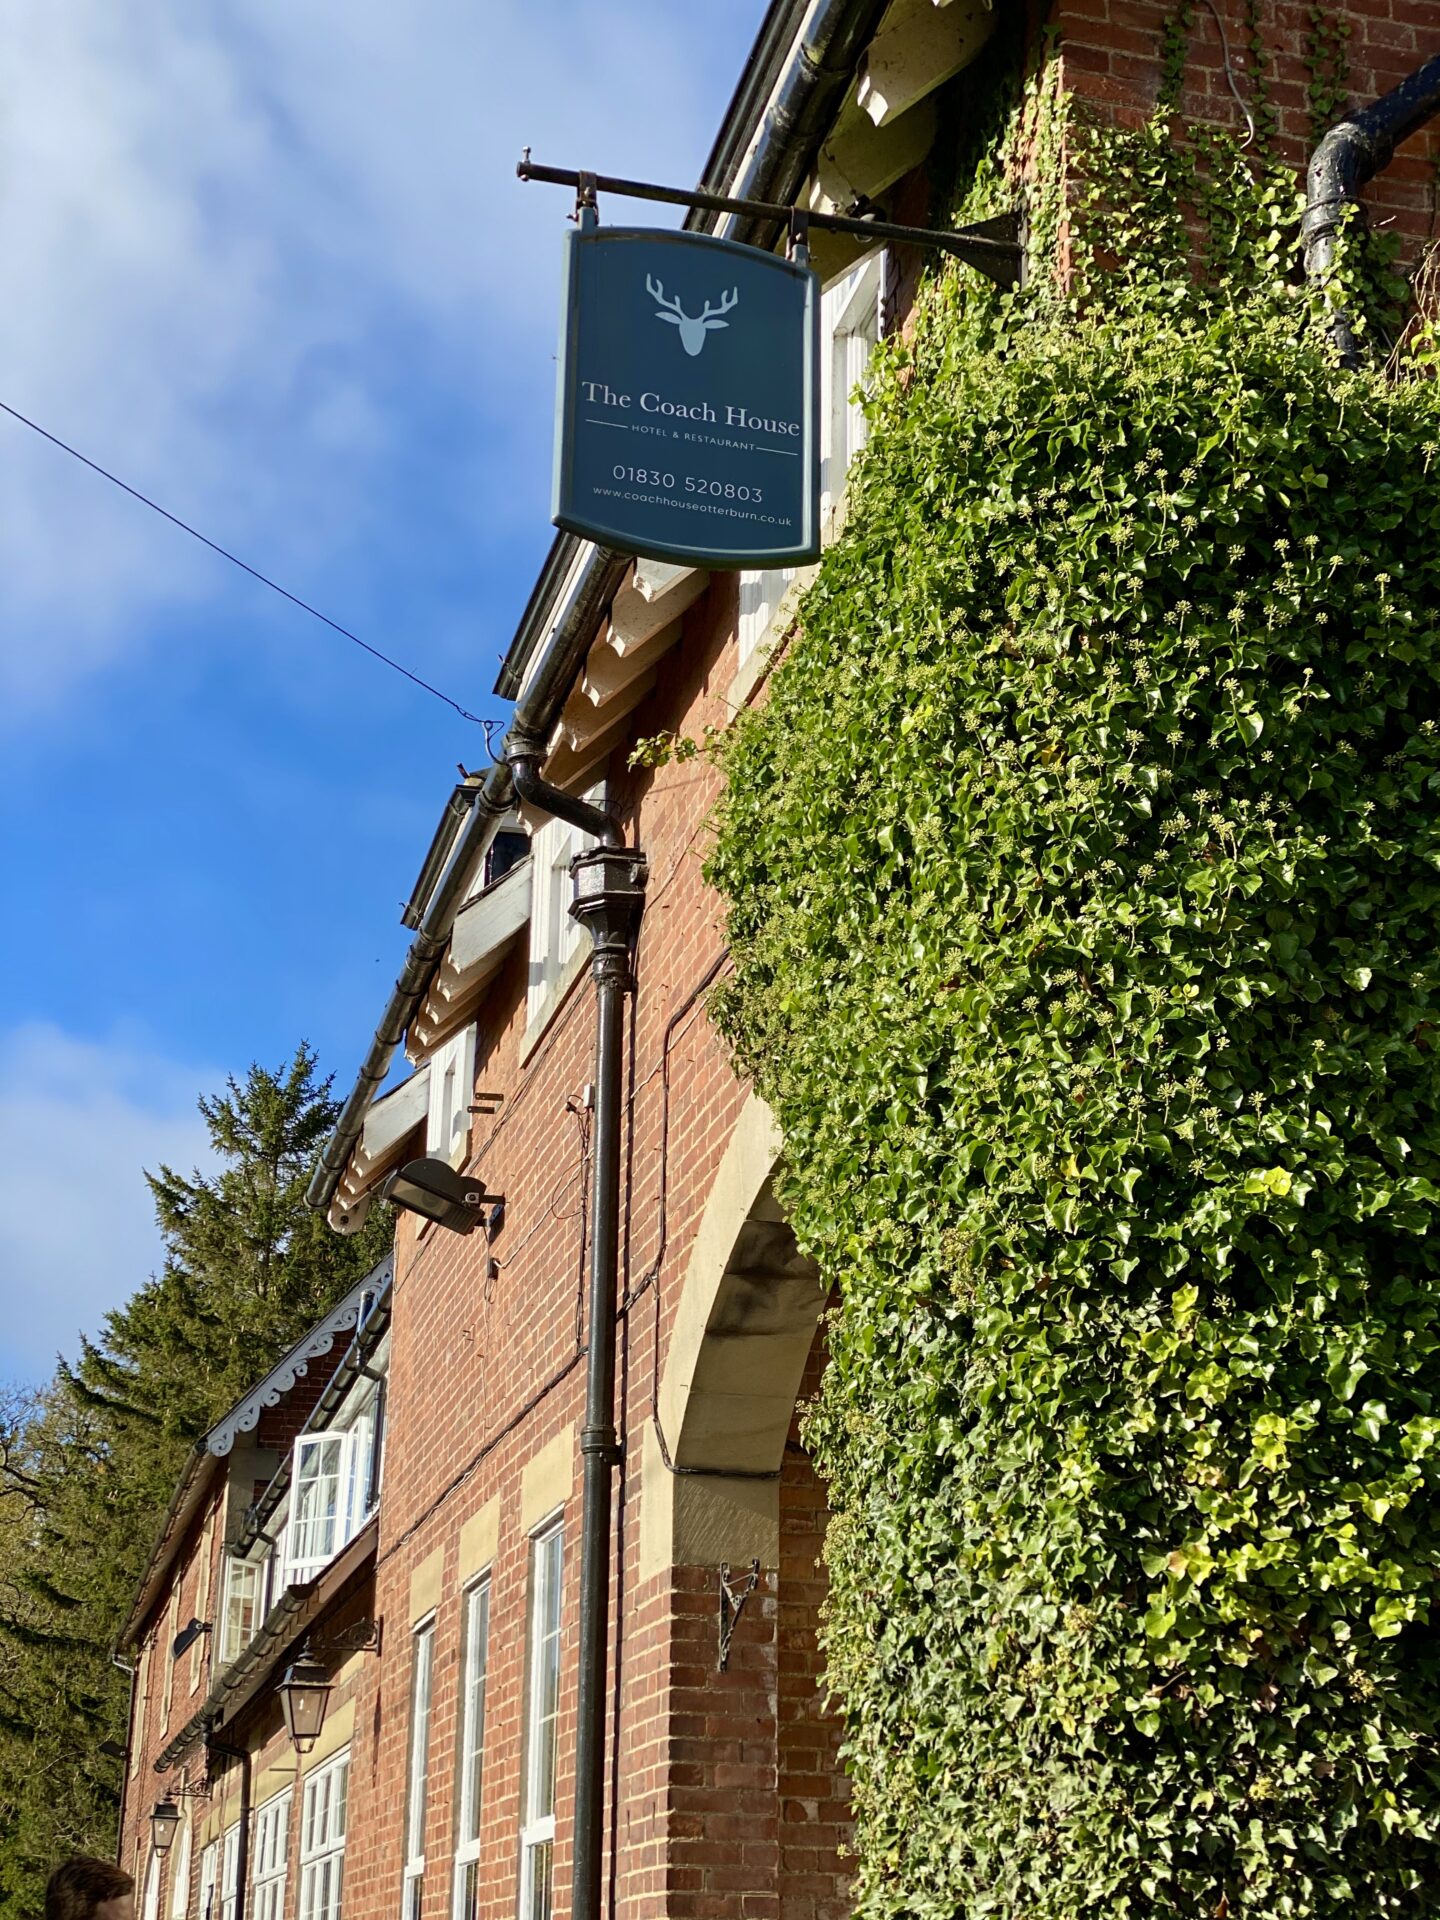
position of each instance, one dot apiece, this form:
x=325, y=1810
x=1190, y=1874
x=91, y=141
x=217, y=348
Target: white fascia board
x=560, y=605
x=393, y=1117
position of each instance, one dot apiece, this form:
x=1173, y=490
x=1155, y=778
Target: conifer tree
x=88, y=1465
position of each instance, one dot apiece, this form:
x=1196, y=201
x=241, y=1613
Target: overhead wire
x=244, y=565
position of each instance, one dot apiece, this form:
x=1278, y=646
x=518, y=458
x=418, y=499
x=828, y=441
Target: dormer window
x=332, y=1492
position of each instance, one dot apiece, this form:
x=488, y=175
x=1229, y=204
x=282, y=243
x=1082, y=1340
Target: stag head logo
x=692, y=331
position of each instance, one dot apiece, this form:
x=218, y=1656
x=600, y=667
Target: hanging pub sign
x=688, y=405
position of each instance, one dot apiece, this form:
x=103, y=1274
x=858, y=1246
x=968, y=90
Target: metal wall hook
x=733, y=1595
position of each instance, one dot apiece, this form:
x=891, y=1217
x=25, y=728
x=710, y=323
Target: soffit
x=480, y=940
x=645, y=621
x=382, y=1145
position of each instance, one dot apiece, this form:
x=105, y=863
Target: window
x=509, y=847
x=167, y=1692
x=555, y=938
x=850, y=325
x=209, y=1880
x=452, y=1081
x=421, y=1671
x=272, y=1845
x=229, y=1872
x=139, y=1706
x=849, y=331
x=542, y=1696
x=322, y=1839
x=330, y=1493
x=240, y=1615
x=202, y=1598
x=180, y=1880
x=150, y=1903
x=474, y=1659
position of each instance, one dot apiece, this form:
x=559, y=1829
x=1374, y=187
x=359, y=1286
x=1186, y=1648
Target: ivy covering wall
x=1083, y=869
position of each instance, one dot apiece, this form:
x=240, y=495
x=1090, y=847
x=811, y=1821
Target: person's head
x=86, y=1889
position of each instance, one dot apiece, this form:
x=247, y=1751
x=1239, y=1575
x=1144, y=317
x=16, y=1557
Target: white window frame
x=451, y=1087
x=202, y=1598
x=323, y=1823
x=180, y=1877
x=270, y=1858
x=851, y=327
x=172, y=1632
x=555, y=937
x=542, y=1702
x=417, y=1769
x=235, y=1637
x=852, y=318
x=229, y=1872
x=209, y=1881
x=352, y=1446
x=470, y=1762
x=140, y=1707
x=150, y=1903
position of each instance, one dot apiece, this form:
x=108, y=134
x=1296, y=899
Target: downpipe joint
x=608, y=899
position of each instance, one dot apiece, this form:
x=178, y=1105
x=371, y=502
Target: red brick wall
x=815, y=1823
x=725, y=1795
x=1111, y=60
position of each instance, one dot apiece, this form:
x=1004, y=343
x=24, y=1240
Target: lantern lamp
x=163, y=1823
x=304, y=1696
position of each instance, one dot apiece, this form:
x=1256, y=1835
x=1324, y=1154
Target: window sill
x=555, y=994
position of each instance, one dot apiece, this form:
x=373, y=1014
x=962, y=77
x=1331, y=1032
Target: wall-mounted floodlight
x=433, y=1189
x=187, y=1637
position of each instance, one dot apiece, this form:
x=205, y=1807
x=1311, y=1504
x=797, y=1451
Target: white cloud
x=80, y=1120
x=236, y=249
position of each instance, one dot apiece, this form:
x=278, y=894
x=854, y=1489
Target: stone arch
x=742, y=1332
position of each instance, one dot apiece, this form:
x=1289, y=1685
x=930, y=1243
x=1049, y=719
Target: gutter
x=557, y=663
x=826, y=41
x=1352, y=152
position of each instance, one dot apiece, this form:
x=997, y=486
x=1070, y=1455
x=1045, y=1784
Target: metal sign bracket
x=992, y=246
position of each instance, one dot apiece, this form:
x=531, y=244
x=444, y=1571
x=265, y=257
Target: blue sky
x=272, y=265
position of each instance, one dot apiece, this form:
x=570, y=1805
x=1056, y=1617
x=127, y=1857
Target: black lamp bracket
x=363, y=1637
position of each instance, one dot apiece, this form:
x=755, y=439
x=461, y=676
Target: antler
x=656, y=291
x=727, y=301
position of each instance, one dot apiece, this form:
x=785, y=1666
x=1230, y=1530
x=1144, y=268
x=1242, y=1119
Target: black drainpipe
x=242, y=1849
x=1352, y=152
x=609, y=896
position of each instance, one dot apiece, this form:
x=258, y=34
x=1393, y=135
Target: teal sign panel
x=688, y=420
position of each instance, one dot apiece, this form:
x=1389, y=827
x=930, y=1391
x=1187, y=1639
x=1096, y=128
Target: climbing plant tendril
x=1083, y=870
